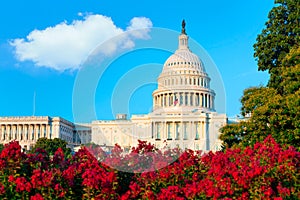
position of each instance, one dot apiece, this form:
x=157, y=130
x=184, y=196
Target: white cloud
x=139, y=27
x=66, y=46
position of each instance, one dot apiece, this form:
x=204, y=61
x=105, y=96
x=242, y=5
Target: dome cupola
x=183, y=83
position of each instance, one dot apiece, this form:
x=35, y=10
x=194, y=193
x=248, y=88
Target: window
x=158, y=131
x=197, y=131
x=185, y=132
x=169, y=125
x=186, y=99
x=177, y=131
x=181, y=99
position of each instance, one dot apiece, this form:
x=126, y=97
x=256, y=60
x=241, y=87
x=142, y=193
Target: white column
x=36, y=132
x=12, y=134
x=165, y=131
x=29, y=129
x=203, y=132
x=23, y=132
x=159, y=100
x=42, y=130
x=27, y=132
x=191, y=131
x=207, y=104
x=16, y=132
x=20, y=130
x=9, y=132
x=25, y=128
x=208, y=101
x=12, y=131
x=47, y=131
x=168, y=100
x=207, y=98
x=201, y=100
x=31, y=136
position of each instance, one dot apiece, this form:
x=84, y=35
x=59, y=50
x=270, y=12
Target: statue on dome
x=183, y=27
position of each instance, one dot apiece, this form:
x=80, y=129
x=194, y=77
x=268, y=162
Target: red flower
x=11, y=178
x=37, y=197
x=40, y=179
x=22, y=184
x=2, y=189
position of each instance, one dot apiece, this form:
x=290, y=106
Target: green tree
x=51, y=145
x=279, y=36
x=273, y=109
x=1, y=147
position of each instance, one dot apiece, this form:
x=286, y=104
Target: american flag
x=175, y=102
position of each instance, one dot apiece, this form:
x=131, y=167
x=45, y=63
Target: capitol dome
x=183, y=82
x=184, y=58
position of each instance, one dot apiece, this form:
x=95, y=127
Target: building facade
x=183, y=114
x=27, y=130
x=183, y=109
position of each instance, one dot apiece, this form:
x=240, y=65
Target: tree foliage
x=51, y=145
x=276, y=40
x=273, y=109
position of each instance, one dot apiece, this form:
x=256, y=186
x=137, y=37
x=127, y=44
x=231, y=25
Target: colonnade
x=188, y=81
x=176, y=130
x=24, y=132
x=205, y=100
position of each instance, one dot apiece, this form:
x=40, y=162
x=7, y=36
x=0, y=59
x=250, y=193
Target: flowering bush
x=266, y=171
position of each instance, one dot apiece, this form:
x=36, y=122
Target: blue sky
x=44, y=44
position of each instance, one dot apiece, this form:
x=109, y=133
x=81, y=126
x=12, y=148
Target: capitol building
x=183, y=114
